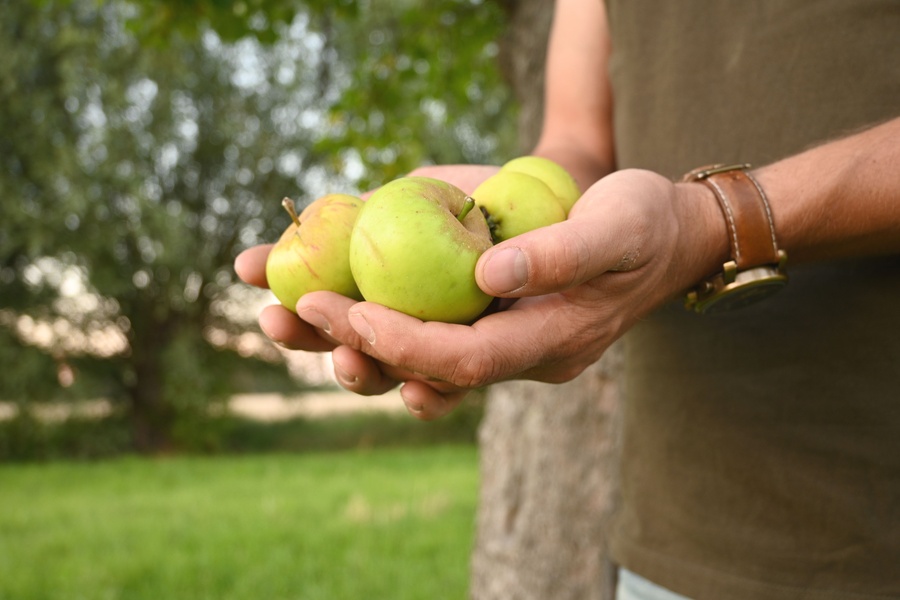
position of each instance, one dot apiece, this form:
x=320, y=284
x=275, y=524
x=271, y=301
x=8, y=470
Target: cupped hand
x=356, y=371
x=633, y=242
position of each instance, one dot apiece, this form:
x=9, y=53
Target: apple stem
x=288, y=205
x=468, y=205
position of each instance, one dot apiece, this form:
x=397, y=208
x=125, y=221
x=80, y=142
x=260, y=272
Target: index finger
x=500, y=346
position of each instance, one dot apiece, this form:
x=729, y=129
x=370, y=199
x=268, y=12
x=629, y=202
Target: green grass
x=384, y=524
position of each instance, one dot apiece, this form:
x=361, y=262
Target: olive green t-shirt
x=761, y=448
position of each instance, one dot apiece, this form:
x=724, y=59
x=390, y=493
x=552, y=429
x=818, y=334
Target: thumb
x=619, y=224
x=550, y=259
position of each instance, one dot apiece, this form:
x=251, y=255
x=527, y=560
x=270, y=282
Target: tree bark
x=547, y=451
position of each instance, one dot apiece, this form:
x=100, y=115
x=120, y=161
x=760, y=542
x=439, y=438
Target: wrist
x=703, y=233
x=755, y=268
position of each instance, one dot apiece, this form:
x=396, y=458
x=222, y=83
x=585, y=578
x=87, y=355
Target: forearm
x=577, y=126
x=840, y=199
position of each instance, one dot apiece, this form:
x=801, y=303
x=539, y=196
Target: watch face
x=749, y=287
x=742, y=296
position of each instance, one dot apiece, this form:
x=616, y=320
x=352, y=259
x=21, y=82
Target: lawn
x=381, y=524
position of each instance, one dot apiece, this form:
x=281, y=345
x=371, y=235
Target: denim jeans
x=634, y=587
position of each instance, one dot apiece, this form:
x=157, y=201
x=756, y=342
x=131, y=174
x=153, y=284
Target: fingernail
x=344, y=377
x=362, y=327
x=413, y=407
x=506, y=271
x=315, y=318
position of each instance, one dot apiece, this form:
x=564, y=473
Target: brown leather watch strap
x=751, y=230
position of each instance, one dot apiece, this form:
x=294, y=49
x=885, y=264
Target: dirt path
x=260, y=407
x=275, y=407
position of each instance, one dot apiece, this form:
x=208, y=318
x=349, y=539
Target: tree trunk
x=546, y=488
x=151, y=415
x=547, y=451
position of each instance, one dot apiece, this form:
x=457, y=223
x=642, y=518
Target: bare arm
x=840, y=199
x=577, y=127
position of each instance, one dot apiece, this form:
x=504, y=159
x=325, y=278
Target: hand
x=355, y=370
x=633, y=242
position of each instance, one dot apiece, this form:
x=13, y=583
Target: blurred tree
x=405, y=82
x=144, y=144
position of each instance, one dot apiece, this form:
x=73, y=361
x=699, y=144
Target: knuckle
x=565, y=262
x=477, y=369
x=578, y=254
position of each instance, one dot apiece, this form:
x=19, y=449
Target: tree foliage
x=144, y=144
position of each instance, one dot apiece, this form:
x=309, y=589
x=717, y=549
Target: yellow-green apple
x=516, y=203
x=414, y=247
x=313, y=252
x=551, y=173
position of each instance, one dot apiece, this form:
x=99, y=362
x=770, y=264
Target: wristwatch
x=756, y=268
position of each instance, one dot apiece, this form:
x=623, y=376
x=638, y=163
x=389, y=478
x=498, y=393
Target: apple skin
x=517, y=203
x=551, y=173
x=315, y=255
x=409, y=252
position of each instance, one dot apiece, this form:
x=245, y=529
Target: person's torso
x=761, y=454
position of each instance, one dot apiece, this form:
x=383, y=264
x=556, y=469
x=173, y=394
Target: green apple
x=414, y=247
x=551, y=173
x=313, y=252
x=516, y=203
